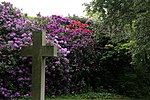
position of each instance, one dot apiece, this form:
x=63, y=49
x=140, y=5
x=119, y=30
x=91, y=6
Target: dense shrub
x=16, y=31
x=15, y=72
x=87, y=58
x=129, y=19
x=102, y=65
x=107, y=65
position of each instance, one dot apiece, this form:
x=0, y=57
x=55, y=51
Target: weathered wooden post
x=39, y=51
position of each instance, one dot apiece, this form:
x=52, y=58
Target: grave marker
x=39, y=51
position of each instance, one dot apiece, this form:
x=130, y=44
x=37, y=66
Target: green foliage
x=126, y=21
x=118, y=13
x=103, y=66
x=76, y=18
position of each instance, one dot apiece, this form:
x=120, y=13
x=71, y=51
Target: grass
x=89, y=96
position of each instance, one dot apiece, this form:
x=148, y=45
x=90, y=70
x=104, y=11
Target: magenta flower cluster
x=16, y=31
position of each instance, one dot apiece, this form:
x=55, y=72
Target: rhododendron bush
x=16, y=31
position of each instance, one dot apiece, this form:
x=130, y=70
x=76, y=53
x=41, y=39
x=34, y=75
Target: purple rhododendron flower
x=10, y=42
x=26, y=95
x=18, y=26
x=24, y=35
x=17, y=94
x=57, y=62
x=67, y=60
x=20, y=79
x=20, y=71
x=13, y=34
x=53, y=67
x=15, y=45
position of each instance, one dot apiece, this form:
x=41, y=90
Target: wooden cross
x=39, y=51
